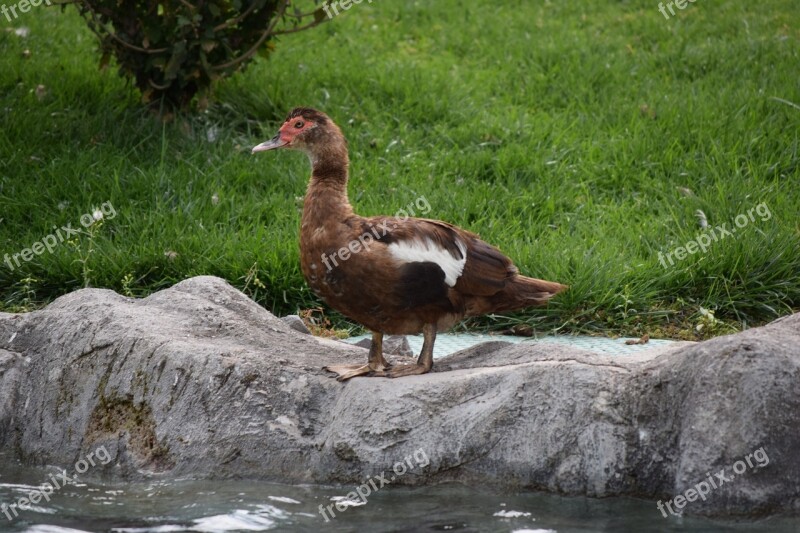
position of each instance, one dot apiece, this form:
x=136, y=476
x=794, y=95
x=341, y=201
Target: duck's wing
x=465, y=263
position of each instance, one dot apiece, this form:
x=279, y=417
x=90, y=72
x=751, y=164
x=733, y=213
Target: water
x=160, y=506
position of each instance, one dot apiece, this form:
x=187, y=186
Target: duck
x=395, y=275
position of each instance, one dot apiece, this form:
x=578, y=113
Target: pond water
x=229, y=506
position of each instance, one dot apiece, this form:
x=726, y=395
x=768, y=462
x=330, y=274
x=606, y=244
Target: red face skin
x=286, y=135
x=294, y=127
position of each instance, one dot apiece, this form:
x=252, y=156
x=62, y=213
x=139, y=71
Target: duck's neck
x=326, y=197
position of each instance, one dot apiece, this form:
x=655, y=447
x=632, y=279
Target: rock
x=392, y=345
x=296, y=323
x=199, y=380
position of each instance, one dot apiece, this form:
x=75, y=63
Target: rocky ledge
x=198, y=380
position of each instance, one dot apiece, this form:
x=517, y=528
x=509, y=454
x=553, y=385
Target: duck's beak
x=275, y=142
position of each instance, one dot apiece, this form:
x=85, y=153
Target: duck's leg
x=425, y=361
x=376, y=364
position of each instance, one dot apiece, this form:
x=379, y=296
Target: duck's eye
x=298, y=124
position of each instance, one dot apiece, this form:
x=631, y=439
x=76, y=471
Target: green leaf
x=175, y=62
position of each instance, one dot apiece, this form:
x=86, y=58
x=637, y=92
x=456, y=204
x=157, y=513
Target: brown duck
x=393, y=275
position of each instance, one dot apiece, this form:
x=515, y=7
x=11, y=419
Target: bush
x=175, y=50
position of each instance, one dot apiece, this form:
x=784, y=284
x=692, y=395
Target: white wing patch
x=424, y=251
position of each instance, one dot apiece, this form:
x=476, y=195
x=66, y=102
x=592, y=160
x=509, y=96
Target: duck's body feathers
x=395, y=275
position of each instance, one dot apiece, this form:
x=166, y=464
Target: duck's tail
x=521, y=292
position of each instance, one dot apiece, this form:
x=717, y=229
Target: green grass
x=560, y=133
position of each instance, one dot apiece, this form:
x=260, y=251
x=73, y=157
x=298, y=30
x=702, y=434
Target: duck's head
x=307, y=130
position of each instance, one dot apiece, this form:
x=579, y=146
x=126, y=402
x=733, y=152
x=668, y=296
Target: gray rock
x=296, y=323
x=199, y=380
x=392, y=345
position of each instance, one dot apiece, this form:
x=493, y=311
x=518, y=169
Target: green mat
x=447, y=343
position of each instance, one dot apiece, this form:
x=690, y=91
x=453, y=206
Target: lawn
x=587, y=140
